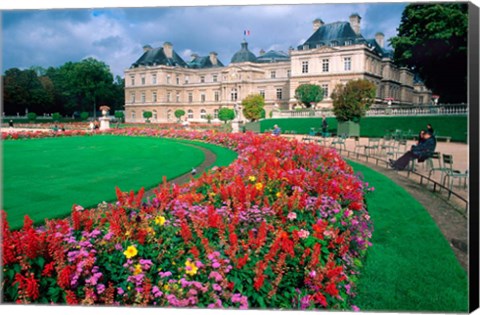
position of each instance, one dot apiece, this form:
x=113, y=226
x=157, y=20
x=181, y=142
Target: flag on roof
x=246, y=32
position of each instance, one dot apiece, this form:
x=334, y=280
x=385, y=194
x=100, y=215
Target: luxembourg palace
x=160, y=81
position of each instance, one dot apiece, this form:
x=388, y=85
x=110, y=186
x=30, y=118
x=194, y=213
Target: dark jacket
x=425, y=149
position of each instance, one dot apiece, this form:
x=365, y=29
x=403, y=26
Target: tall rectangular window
x=215, y=78
x=325, y=65
x=304, y=66
x=217, y=96
x=289, y=73
x=132, y=97
x=178, y=80
x=273, y=75
x=143, y=79
x=347, y=63
x=154, y=79
x=262, y=93
x=186, y=79
x=168, y=79
x=325, y=90
x=169, y=96
x=202, y=79
x=154, y=97
x=234, y=94
x=132, y=80
x=143, y=97
x=279, y=94
x=202, y=97
x=178, y=97
x=215, y=113
x=190, y=97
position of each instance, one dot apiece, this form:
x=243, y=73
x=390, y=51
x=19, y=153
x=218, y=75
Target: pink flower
x=355, y=308
x=216, y=287
x=303, y=234
x=292, y=216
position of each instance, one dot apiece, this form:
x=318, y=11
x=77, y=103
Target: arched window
x=190, y=114
x=203, y=114
x=169, y=114
x=133, y=115
x=215, y=113
x=155, y=114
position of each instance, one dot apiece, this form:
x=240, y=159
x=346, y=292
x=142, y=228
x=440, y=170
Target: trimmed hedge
x=455, y=127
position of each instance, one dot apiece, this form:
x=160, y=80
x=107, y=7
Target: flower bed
x=284, y=226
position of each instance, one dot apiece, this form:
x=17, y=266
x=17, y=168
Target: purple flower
x=164, y=274
x=216, y=265
x=120, y=291
x=100, y=288
x=156, y=291
x=216, y=287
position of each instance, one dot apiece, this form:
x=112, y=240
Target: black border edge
x=473, y=70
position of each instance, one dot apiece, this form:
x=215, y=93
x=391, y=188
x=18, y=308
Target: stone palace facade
x=160, y=81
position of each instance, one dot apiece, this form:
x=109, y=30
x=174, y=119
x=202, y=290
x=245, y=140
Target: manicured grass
x=44, y=177
x=411, y=266
x=453, y=126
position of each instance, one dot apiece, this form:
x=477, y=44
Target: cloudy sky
x=51, y=37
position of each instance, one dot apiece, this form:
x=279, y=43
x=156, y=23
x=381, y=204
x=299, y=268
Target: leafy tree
x=147, y=115
x=179, y=113
x=209, y=118
x=119, y=115
x=432, y=39
x=84, y=115
x=253, y=106
x=225, y=114
x=56, y=116
x=351, y=101
x=32, y=116
x=308, y=94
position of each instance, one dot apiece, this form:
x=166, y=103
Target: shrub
x=253, y=107
x=56, y=117
x=308, y=94
x=351, y=101
x=83, y=116
x=147, y=115
x=225, y=114
x=119, y=115
x=179, y=113
x=32, y=116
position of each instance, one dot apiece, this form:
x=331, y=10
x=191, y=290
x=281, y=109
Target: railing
x=395, y=110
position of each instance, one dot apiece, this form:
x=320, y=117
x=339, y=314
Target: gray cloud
x=116, y=36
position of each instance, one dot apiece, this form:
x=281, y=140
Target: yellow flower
x=138, y=269
x=191, y=268
x=130, y=252
x=252, y=178
x=166, y=287
x=259, y=186
x=128, y=233
x=160, y=220
x=279, y=194
x=151, y=231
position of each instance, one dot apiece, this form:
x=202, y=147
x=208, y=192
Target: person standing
x=10, y=123
x=324, y=125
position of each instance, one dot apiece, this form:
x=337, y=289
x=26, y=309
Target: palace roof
x=243, y=55
x=156, y=56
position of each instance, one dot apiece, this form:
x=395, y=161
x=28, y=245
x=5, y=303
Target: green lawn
x=411, y=266
x=44, y=177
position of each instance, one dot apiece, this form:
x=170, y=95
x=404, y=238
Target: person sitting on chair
x=421, y=152
x=276, y=130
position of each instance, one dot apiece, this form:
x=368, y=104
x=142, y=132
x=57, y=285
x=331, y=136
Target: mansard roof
x=337, y=34
x=273, y=56
x=243, y=55
x=156, y=56
x=204, y=62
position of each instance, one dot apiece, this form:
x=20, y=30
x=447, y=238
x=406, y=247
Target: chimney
x=261, y=52
x=379, y=38
x=213, y=58
x=194, y=56
x=168, y=49
x=147, y=48
x=317, y=24
x=355, y=23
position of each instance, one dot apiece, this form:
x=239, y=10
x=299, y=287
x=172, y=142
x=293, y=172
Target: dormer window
x=348, y=42
x=333, y=43
x=305, y=47
x=319, y=45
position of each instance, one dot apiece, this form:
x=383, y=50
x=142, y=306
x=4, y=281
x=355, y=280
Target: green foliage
x=32, y=116
x=352, y=100
x=430, y=37
x=147, y=115
x=225, y=114
x=253, y=107
x=72, y=87
x=84, y=115
x=209, y=118
x=179, y=113
x=120, y=115
x=56, y=116
x=308, y=94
